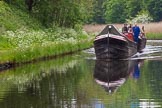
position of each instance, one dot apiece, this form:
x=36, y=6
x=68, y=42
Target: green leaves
x=155, y=9
x=62, y=13
x=117, y=11
x=142, y=17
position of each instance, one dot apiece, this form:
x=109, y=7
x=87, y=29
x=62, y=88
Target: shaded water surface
x=81, y=81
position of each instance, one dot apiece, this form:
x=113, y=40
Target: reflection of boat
x=112, y=74
x=111, y=44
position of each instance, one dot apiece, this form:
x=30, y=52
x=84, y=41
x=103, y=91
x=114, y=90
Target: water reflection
x=41, y=85
x=112, y=74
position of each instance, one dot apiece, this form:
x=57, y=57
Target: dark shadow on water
x=113, y=74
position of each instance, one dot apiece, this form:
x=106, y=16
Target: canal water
x=81, y=81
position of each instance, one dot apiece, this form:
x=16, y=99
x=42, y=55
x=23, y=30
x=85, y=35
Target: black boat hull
x=112, y=48
x=141, y=44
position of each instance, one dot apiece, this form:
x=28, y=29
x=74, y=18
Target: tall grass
x=153, y=30
x=153, y=27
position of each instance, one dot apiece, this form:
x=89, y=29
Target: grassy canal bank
x=23, y=38
x=25, y=46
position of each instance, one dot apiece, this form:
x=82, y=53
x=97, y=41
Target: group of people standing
x=133, y=32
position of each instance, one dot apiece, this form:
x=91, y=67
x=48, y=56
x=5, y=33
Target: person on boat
x=130, y=32
x=130, y=28
x=143, y=31
x=136, y=32
x=125, y=29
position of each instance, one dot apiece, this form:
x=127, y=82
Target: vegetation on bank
x=23, y=38
x=153, y=30
x=154, y=36
x=50, y=13
x=24, y=45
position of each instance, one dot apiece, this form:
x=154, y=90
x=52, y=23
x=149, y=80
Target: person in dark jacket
x=125, y=29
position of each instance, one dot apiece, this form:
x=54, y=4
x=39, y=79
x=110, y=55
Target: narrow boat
x=111, y=44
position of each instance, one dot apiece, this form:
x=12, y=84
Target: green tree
x=63, y=12
x=115, y=11
x=66, y=13
x=133, y=7
x=99, y=11
x=155, y=9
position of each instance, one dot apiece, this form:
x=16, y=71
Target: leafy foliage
x=117, y=11
x=155, y=9
x=67, y=13
x=98, y=12
x=142, y=17
x=12, y=18
x=133, y=7
x=62, y=13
